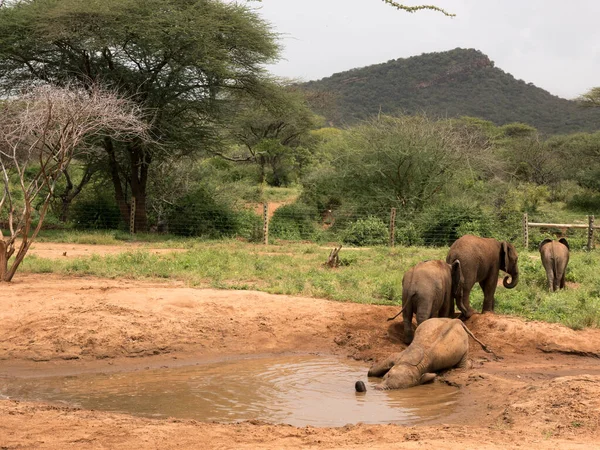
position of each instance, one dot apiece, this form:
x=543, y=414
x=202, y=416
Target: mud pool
x=296, y=390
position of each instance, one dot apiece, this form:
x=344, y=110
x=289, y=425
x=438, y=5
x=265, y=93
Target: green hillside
x=460, y=82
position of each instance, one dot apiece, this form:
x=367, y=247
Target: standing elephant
x=555, y=257
x=481, y=259
x=428, y=290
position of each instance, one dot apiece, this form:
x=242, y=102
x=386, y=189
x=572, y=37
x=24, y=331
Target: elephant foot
x=487, y=311
x=360, y=386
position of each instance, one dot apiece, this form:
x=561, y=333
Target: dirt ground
x=543, y=393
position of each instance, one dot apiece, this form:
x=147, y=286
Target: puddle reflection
x=297, y=390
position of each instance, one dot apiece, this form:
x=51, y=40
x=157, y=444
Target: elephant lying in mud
x=439, y=343
x=428, y=290
x=481, y=259
x=555, y=257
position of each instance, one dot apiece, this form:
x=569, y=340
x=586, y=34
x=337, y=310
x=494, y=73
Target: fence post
x=590, y=242
x=392, y=226
x=266, y=223
x=526, y=231
x=132, y=216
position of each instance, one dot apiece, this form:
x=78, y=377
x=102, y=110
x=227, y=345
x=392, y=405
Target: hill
x=459, y=82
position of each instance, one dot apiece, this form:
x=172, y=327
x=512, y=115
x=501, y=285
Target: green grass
x=366, y=276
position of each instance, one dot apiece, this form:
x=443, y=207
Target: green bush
x=295, y=221
x=588, y=201
x=99, y=212
x=407, y=233
x=249, y=225
x=366, y=232
x=444, y=224
x=200, y=214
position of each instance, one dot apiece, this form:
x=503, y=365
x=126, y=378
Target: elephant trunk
x=514, y=279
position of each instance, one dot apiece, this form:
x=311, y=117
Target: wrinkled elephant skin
x=555, y=257
x=439, y=343
x=428, y=291
x=481, y=259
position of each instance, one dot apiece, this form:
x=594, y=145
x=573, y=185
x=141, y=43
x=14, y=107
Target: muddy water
x=297, y=390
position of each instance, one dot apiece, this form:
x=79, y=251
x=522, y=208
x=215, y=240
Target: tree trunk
x=114, y=174
x=140, y=162
x=72, y=191
x=3, y=260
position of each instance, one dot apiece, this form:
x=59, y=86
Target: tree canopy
x=179, y=59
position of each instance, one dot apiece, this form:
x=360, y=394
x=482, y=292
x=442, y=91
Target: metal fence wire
x=352, y=226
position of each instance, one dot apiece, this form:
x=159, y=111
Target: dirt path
x=544, y=393
x=52, y=250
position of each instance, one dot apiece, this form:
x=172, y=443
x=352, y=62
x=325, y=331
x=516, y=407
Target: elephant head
x=508, y=263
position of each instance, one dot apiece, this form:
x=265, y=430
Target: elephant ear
x=564, y=242
x=544, y=242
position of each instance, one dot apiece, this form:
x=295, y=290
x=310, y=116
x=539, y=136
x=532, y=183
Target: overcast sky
x=553, y=44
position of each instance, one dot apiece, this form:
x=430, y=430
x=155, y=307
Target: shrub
x=199, y=214
x=249, y=225
x=296, y=221
x=407, y=233
x=366, y=232
x=588, y=201
x=99, y=213
x=443, y=225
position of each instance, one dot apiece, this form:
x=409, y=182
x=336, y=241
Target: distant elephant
x=555, y=257
x=428, y=290
x=440, y=343
x=481, y=259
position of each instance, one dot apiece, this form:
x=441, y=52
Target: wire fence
x=354, y=227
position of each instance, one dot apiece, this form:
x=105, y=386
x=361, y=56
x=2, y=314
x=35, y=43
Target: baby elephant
x=555, y=257
x=428, y=290
x=439, y=344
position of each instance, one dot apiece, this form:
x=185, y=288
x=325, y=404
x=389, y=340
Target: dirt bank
x=544, y=393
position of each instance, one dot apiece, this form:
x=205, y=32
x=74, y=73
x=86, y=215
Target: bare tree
x=40, y=132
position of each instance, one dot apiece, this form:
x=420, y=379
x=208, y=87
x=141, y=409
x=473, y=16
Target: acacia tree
x=384, y=162
x=271, y=131
x=591, y=98
x=178, y=59
x=40, y=132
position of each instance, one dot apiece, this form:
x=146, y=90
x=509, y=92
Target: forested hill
x=460, y=82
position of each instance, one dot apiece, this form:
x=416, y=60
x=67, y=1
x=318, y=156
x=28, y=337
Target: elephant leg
x=383, y=367
x=424, y=310
x=550, y=277
x=560, y=278
x=488, y=286
x=407, y=316
x=447, y=308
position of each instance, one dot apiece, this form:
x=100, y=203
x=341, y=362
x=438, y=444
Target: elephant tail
x=483, y=346
x=405, y=306
x=407, y=296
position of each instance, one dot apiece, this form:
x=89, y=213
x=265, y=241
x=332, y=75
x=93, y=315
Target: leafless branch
x=42, y=130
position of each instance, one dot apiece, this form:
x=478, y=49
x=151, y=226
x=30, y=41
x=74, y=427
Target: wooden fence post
x=590, y=242
x=392, y=226
x=132, y=216
x=526, y=231
x=266, y=223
